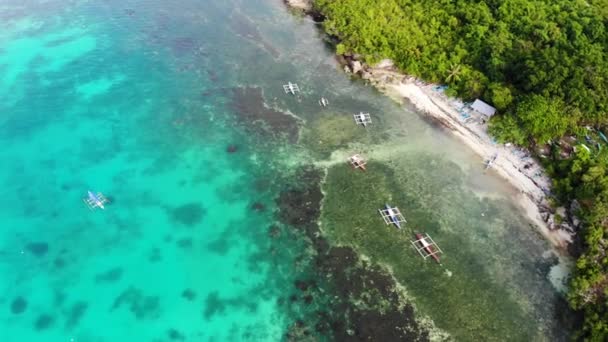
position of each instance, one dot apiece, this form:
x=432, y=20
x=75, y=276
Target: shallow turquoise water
x=107, y=97
x=138, y=100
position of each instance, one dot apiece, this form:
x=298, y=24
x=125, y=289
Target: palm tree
x=454, y=73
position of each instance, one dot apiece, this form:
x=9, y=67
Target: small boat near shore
x=363, y=119
x=392, y=215
x=291, y=88
x=425, y=245
x=357, y=162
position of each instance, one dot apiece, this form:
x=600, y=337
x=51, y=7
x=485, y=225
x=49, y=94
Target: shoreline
x=515, y=165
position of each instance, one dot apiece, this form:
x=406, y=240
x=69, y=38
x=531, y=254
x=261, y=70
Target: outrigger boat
x=363, y=119
x=291, y=88
x=392, y=215
x=426, y=247
x=94, y=201
x=357, y=162
x=323, y=102
x=491, y=161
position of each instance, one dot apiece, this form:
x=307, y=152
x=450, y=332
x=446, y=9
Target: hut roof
x=483, y=108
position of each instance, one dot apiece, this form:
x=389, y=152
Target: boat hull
x=428, y=249
x=392, y=216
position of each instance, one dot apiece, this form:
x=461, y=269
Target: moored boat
x=392, y=215
x=427, y=247
x=357, y=162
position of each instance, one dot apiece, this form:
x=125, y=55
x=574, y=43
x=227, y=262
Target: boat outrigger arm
x=357, y=162
x=392, y=215
x=426, y=247
x=363, y=119
x=291, y=88
x=94, y=201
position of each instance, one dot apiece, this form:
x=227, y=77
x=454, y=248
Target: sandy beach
x=512, y=163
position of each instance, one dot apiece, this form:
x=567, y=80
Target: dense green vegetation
x=541, y=63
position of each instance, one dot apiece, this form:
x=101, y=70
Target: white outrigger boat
x=291, y=88
x=323, y=102
x=392, y=215
x=94, y=201
x=363, y=119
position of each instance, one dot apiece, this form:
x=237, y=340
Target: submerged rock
x=43, y=322
x=189, y=294
x=39, y=249
x=356, y=66
x=232, y=148
x=18, y=305
x=110, y=276
x=188, y=214
x=175, y=335
x=258, y=206
x=76, y=313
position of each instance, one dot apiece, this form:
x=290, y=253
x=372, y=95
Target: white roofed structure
x=483, y=108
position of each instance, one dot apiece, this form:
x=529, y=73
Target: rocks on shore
x=561, y=218
x=304, y=5
x=379, y=75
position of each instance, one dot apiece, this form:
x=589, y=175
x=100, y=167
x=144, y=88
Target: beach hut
x=483, y=108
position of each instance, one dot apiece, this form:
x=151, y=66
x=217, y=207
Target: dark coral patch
x=188, y=214
x=175, y=335
x=213, y=305
x=18, y=305
x=110, y=276
x=274, y=231
x=59, y=262
x=154, y=255
x=185, y=243
x=248, y=105
x=43, y=322
x=258, y=206
x=232, y=148
x=189, y=294
x=219, y=246
x=39, y=249
x=140, y=305
x=75, y=314
x=301, y=285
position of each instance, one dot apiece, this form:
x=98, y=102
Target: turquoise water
x=107, y=96
x=160, y=106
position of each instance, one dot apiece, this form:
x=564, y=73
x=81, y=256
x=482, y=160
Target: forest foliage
x=541, y=63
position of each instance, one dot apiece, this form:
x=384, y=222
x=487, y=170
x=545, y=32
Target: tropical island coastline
x=546, y=82
x=513, y=164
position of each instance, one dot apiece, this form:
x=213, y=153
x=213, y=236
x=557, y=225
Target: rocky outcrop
x=304, y=5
